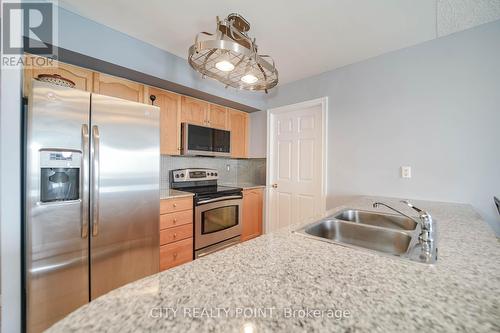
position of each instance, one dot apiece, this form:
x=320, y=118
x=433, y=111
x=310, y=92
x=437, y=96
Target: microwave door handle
x=95, y=180
x=84, y=181
x=220, y=199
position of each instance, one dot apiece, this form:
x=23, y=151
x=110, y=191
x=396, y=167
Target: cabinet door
x=37, y=65
x=170, y=113
x=194, y=111
x=252, y=213
x=117, y=87
x=217, y=116
x=238, y=125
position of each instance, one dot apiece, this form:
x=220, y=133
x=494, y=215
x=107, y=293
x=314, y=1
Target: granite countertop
x=171, y=193
x=283, y=281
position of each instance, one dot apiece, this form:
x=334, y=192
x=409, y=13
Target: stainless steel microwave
x=205, y=141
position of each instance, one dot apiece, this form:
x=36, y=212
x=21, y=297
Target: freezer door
x=56, y=204
x=125, y=199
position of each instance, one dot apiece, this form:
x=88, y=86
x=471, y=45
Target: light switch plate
x=406, y=172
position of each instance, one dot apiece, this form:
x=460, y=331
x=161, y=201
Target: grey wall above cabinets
x=87, y=37
x=434, y=106
x=231, y=171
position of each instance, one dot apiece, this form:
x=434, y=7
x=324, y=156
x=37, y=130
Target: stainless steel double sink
x=387, y=234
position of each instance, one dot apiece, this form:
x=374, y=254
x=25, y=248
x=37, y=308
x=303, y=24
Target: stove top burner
x=212, y=189
x=201, y=182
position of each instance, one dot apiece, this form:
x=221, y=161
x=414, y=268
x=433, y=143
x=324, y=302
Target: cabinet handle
x=175, y=205
x=175, y=256
x=174, y=221
x=175, y=236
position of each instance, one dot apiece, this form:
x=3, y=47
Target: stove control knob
x=215, y=174
x=176, y=175
x=182, y=175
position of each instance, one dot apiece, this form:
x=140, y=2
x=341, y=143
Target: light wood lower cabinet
x=175, y=219
x=253, y=200
x=176, y=253
x=176, y=205
x=176, y=232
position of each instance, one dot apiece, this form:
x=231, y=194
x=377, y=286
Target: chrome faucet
x=424, y=220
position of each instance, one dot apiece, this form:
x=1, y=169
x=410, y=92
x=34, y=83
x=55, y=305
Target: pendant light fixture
x=230, y=57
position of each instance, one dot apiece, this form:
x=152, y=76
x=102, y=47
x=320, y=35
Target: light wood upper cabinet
x=117, y=87
x=252, y=213
x=80, y=76
x=170, y=120
x=194, y=111
x=175, y=109
x=238, y=125
x=217, y=116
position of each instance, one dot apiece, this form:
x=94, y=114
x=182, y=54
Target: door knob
x=275, y=185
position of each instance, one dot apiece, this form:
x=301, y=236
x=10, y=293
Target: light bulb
x=224, y=66
x=249, y=78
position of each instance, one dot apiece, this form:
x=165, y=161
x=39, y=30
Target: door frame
x=323, y=102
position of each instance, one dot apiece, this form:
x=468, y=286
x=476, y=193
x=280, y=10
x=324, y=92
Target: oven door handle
x=219, y=199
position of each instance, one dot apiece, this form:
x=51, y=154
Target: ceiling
x=304, y=37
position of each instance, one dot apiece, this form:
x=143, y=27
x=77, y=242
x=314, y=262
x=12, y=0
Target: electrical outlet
x=406, y=172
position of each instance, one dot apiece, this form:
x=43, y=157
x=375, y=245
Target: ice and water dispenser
x=59, y=175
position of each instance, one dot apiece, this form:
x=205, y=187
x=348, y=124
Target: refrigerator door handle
x=84, y=180
x=95, y=180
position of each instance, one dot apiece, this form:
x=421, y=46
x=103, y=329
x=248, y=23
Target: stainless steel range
x=217, y=209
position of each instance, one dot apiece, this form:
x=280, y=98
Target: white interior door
x=296, y=163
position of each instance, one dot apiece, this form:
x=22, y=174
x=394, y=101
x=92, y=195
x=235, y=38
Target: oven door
x=217, y=220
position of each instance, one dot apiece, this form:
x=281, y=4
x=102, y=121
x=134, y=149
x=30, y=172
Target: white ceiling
x=304, y=37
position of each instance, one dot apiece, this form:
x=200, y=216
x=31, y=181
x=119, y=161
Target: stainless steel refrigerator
x=91, y=198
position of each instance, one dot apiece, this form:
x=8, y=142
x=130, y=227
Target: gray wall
x=10, y=194
x=257, y=147
x=90, y=38
x=434, y=106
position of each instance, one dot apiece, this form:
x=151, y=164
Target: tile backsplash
x=231, y=171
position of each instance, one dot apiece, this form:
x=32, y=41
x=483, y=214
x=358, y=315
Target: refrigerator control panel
x=59, y=175
x=60, y=158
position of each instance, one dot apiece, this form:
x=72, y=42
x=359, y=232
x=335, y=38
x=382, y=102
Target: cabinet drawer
x=176, y=234
x=176, y=205
x=176, y=219
x=176, y=253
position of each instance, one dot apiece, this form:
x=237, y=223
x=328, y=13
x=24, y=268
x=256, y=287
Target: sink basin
x=386, y=234
x=377, y=219
x=377, y=239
